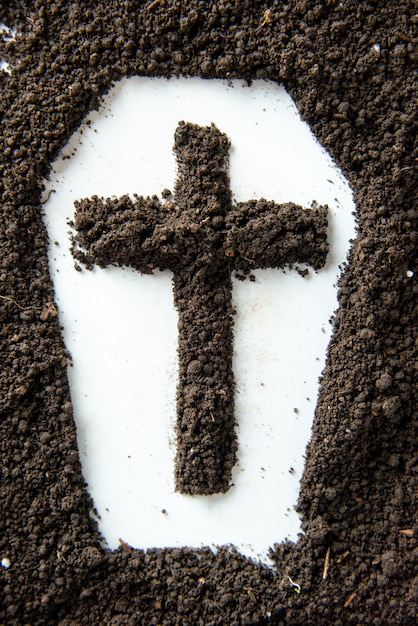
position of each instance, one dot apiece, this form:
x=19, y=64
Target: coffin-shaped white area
x=121, y=327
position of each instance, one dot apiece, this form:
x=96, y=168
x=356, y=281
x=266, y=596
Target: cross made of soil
x=202, y=237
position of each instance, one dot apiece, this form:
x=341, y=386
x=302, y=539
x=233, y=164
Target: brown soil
x=349, y=68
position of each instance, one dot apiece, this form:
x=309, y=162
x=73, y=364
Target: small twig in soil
x=326, y=564
x=350, y=599
x=342, y=556
x=295, y=585
x=266, y=18
x=125, y=545
x=19, y=306
x=251, y=594
x=405, y=37
x=48, y=196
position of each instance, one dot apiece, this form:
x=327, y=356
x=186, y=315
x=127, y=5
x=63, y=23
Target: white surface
x=120, y=327
x=7, y=34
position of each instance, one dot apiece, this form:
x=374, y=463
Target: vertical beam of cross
x=201, y=237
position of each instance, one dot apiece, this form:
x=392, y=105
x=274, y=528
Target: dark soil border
x=349, y=67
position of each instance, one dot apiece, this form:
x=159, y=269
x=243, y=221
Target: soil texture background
x=349, y=66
